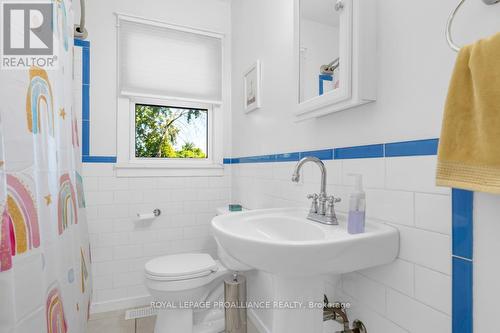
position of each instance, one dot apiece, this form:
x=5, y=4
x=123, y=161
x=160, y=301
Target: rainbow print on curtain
x=39, y=95
x=44, y=241
x=56, y=322
x=62, y=22
x=74, y=131
x=5, y=242
x=79, y=190
x=21, y=217
x=83, y=268
x=66, y=209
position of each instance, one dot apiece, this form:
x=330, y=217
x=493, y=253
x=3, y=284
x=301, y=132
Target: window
x=170, y=99
x=167, y=131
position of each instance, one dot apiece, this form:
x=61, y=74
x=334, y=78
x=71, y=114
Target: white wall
x=414, y=68
x=212, y=15
x=120, y=244
x=486, y=268
x=414, y=65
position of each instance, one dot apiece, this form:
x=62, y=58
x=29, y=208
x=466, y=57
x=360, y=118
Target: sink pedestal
x=297, y=306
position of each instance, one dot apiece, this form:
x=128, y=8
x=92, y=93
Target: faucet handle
x=314, y=204
x=330, y=206
x=333, y=200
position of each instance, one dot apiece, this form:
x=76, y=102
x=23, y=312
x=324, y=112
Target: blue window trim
x=86, y=157
x=462, y=213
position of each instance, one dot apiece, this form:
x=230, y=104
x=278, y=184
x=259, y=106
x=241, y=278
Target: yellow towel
x=469, y=147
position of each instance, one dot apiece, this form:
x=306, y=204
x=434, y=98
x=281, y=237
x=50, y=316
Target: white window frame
x=130, y=166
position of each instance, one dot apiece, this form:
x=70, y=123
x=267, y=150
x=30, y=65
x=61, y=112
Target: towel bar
x=449, y=24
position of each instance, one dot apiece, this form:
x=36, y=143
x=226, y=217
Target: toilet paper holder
x=156, y=213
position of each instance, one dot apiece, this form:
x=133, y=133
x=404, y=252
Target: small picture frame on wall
x=252, y=82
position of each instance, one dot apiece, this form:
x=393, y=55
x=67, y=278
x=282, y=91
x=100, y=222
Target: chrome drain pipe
x=339, y=315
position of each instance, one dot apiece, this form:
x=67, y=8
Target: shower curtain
x=45, y=282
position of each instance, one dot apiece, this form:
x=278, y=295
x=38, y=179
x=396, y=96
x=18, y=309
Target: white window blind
x=166, y=62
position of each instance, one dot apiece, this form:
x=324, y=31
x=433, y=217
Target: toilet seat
x=182, y=283
x=180, y=267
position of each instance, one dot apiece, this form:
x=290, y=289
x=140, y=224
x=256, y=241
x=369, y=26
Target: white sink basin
x=284, y=242
x=298, y=254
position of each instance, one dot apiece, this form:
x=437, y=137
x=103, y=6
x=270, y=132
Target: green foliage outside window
x=166, y=132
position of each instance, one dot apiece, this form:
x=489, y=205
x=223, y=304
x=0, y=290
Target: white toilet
x=188, y=277
x=180, y=278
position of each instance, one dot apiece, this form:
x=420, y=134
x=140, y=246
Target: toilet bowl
x=178, y=283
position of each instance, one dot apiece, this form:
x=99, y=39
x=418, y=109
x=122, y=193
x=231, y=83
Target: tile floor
x=114, y=322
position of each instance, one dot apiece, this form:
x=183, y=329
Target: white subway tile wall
x=121, y=244
x=393, y=298
x=413, y=291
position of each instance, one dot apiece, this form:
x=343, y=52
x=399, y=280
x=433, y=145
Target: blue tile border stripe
x=86, y=157
x=462, y=291
x=258, y=159
x=323, y=154
x=99, y=159
x=85, y=137
x=85, y=102
x=462, y=219
x=412, y=148
x=394, y=149
x=81, y=42
x=370, y=151
x=463, y=264
x=86, y=65
x=288, y=157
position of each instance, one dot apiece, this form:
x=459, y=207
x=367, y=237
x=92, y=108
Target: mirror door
x=323, y=42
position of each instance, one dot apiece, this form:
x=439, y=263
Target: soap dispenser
x=357, y=207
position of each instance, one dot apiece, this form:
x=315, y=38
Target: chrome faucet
x=323, y=206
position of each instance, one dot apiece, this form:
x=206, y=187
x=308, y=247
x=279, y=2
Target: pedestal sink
x=299, y=254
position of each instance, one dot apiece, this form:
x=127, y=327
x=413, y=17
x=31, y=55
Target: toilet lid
x=181, y=266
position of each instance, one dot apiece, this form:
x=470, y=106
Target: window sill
x=165, y=170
